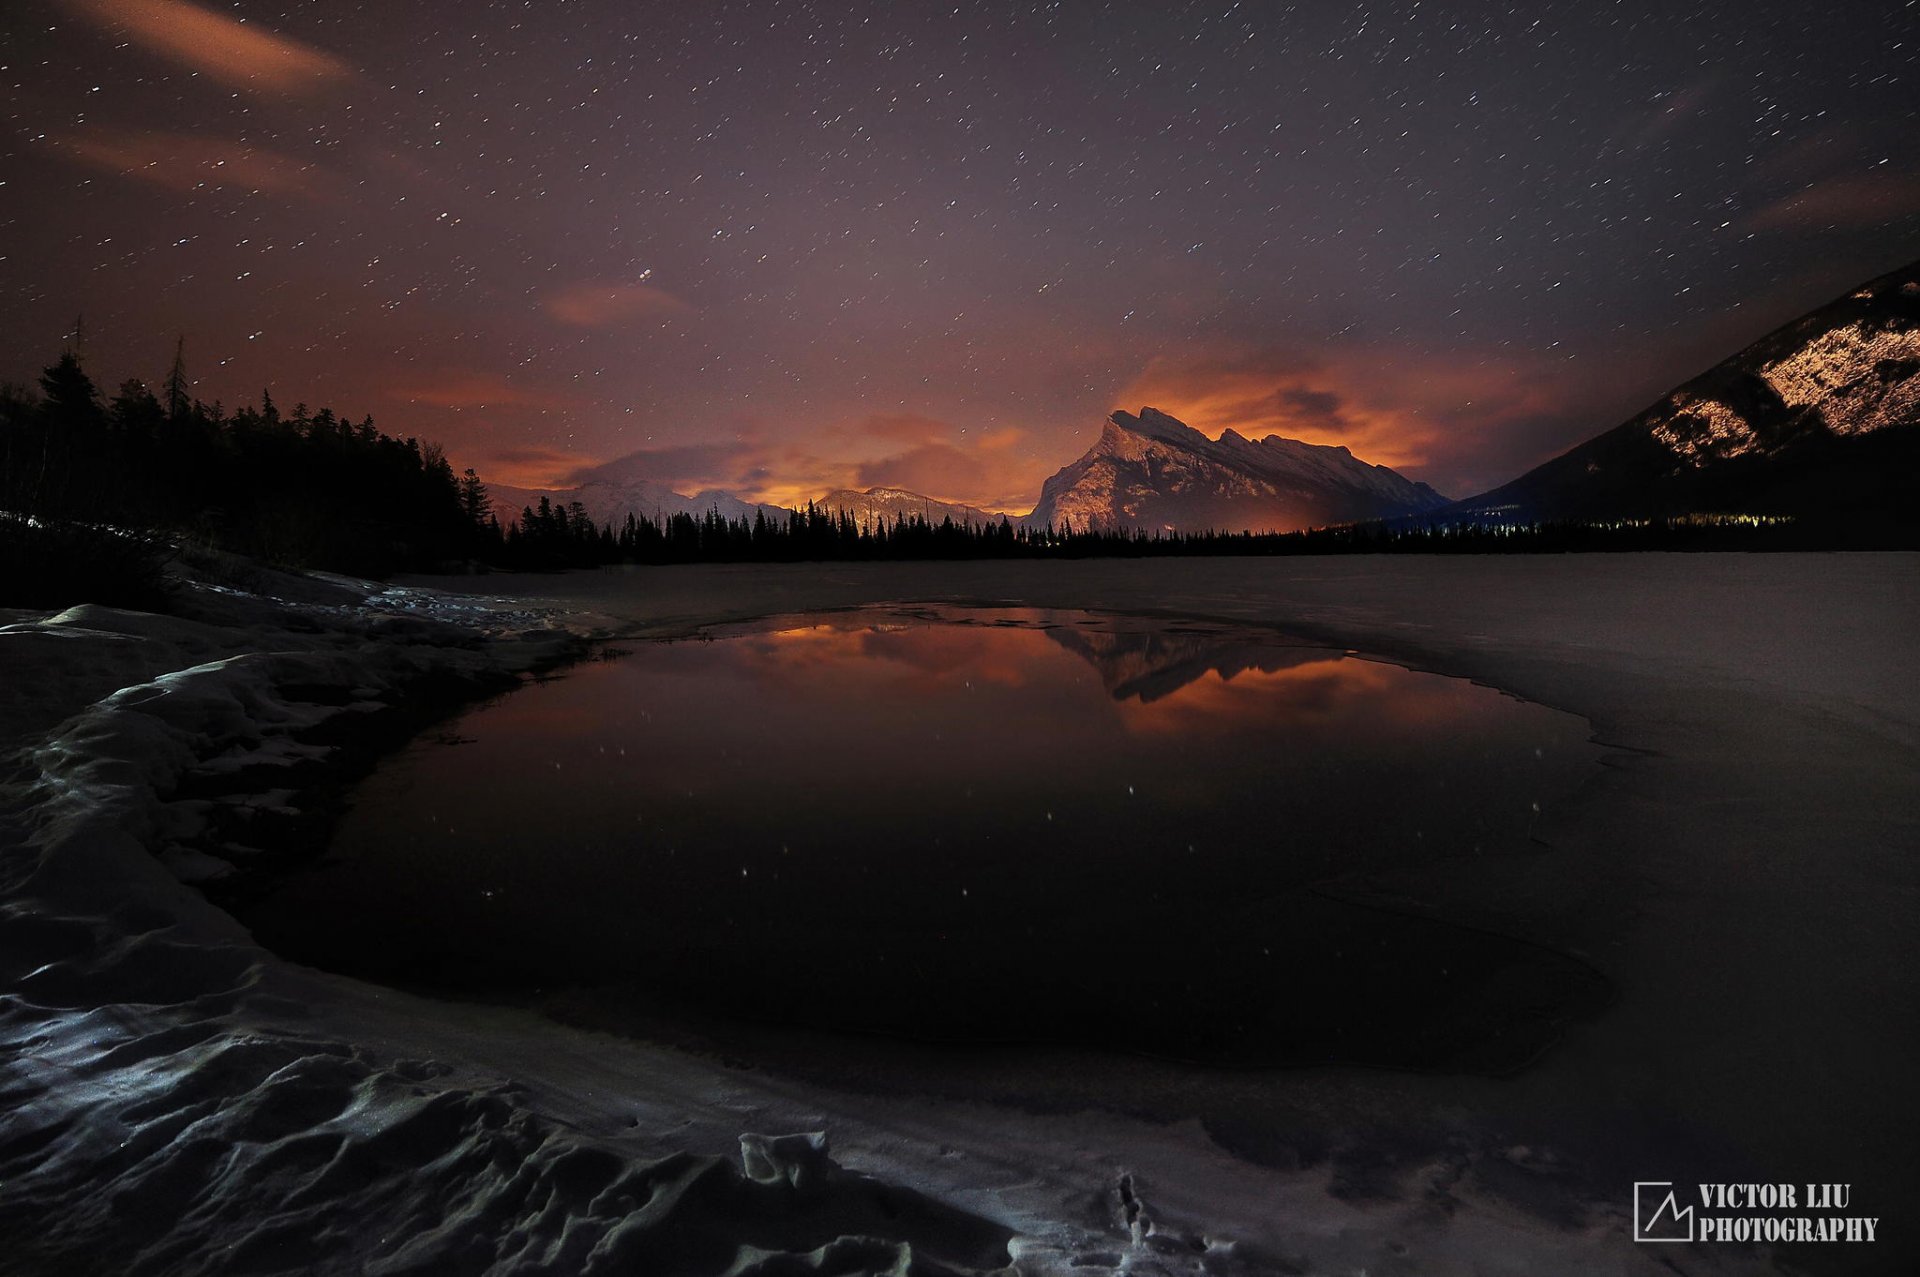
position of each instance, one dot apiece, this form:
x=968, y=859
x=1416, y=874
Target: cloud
x=1262, y=391
x=190, y=162
x=937, y=470
x=1456, y=419
x=463, y=390
x=530, y=467
x=703, y=465
x=599, y=305
x=1651, y=124
x=242, y=54
x=901, y=428
x=987, y=470
x=1858, y=200
x=761, y=460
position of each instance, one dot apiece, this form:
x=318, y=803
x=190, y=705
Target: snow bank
x=158, y=1119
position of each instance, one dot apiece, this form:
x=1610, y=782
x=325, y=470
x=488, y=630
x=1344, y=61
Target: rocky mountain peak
x=1152, y=471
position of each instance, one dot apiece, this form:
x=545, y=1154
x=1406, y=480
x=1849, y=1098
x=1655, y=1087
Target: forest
x=98, y=493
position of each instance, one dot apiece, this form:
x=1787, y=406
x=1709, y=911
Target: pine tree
x=179, y=401
x=474, y=501
x=70, y=397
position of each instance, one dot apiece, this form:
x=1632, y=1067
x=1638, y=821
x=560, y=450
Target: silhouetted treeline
x=549, y=536
x=301, y=488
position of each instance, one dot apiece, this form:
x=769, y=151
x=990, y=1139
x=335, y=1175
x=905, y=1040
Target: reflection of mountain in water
x=1150, y=664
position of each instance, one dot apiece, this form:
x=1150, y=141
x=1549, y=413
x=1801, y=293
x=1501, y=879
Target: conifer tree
x=179, y=400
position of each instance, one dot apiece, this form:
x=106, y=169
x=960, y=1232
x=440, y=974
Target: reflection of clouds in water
x=1010, y=815
x=995, y=677
x=912, y=653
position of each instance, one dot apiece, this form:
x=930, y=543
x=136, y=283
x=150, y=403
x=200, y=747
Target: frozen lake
x=1739, y=867
x=975, y=825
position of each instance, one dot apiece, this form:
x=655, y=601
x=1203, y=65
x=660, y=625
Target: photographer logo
x=1747, y=1213
x=1657, y=1215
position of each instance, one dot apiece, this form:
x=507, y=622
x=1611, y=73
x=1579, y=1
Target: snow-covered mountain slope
x=1818, y=416
x=1153, y=663
x=1155, y=472
x=889, y=504
x=609, y=492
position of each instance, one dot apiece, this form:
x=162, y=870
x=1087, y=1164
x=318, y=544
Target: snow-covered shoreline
x=179, y=1101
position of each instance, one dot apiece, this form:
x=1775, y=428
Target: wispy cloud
x=1856, y=200
x=909, y=428
x=1650, y=124
x=464, y=390
x=242, y=54
x=693, y=465
x=1451, y=419
x=988, y=470
x=599, y=304
x=1278, y=391
x=190, y=162
x=533, y=467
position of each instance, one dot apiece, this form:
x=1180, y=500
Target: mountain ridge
x=887, y=504
x=1816, y=416
x=1151, y=471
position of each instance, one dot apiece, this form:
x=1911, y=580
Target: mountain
x=1155, y=472
x=612, y=490
x=610, y=502
x=1149, y=664
x=889, y=504
x=1818, y=419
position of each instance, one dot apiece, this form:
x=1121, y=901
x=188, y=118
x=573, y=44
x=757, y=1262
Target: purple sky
x=781, y=247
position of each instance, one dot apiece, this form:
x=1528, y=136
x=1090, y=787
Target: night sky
x=780, y=247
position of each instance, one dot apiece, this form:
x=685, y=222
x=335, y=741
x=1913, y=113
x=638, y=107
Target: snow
x=1700, y=430
x=1861, y=375
x=178, y=1100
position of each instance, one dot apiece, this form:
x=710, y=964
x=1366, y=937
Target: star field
x=779, y=247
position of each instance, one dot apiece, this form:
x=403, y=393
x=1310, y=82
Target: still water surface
x=970, y=825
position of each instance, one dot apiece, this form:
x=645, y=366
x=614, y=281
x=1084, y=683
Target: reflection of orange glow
x=912, y=652
x=1313, y=691
x=241, y=54
x=890, y=705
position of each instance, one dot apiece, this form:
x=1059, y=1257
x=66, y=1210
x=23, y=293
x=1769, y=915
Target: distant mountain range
x=1818, y=418
x=1149, y=472
x=887, y=505
x=610, y=492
